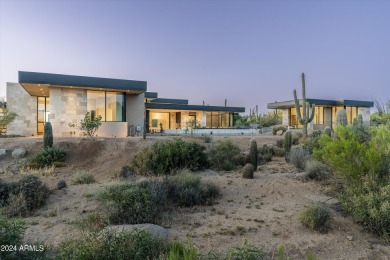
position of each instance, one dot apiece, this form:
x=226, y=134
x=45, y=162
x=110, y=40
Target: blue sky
x=249, y=52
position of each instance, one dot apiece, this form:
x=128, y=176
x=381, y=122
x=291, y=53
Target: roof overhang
x=321, y=102
x=169, y=101
x=194, y=107
x=38, y=84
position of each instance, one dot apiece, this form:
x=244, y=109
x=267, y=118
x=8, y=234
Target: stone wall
x=285, y=120
x=67, y=106
x=20, y=102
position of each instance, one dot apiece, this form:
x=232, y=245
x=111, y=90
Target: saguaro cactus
x=47, y=135
x=341, y=117
x=287, y=143
x=253, y=153
x=305, y=118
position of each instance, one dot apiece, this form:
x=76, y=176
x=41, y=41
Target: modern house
x=325, y=112
x=123, y=104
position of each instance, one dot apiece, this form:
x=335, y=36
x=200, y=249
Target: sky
x=248, y=52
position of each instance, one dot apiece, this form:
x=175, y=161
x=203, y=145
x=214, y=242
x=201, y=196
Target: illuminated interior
x=42, y=113
x=219, y=119
x=109, y=105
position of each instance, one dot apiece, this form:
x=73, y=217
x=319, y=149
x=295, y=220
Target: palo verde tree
x=89, y=125
x=305, y=117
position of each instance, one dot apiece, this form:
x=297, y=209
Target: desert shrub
x=247, y=252
x=278, y=128
x=316, y=217
x=11, y=235
x=4, y=192
x=298, y=156
x=61, y=184
x=129, y=203
x=296, y=136
x=247, y=171
x=186, y=189
x=165, y=157
x=207, y=138
x=369, y=204
x=265, y=154
x=92, y=222
x=280, y=143
x=88, y=125
x=179, y=250
x=280, y=152
x=317, y=170
x=47, y=157
x=11, y=231
x=224, y=155
x=138, y=245
x=82, y=177
x=59, y=164
x=28, y=194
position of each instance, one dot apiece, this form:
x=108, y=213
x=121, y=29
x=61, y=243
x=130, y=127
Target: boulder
x=4, y=153
x=19, y=153
x=156, y=230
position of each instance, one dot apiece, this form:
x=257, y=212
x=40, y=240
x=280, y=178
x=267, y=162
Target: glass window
x=319, y=116
x=334, y=111
x=115, y=105
x=208, y=119
x=155, y=119
x=109, y=105
x=294, y=118
x=42, y=112
x=96, y=104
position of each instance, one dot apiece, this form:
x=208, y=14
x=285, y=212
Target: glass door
x=42, y=113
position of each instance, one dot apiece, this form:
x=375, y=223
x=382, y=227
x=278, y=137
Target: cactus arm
x=297, y=107
x=313, y=109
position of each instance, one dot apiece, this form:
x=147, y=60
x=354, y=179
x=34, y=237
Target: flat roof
x=321, y=102
x=151, y=94
x=194, y=107
x=169, y=101
x=34, y=81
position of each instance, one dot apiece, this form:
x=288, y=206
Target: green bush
x=129, y=203
x=247, y=252
x=277, y=128
x=138, y=245
x=207, y=138
x=316, y=217
x=82, y=177
x=298, y=156
x=11, y=234
x=26, y=195
x=369, y=204
x=186, y=189
x=224, y=155
x=178, y=250
x=280, y=152
x=166, y=157
x=265, y=154
x=317, y=170
x=47, y=157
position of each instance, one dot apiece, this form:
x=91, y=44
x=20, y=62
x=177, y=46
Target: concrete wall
x=365, y=112
x=113, y=129
x=20, y=102
x=67, y=106
x=135, y=110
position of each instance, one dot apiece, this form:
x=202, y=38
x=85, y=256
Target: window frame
x=105, y=104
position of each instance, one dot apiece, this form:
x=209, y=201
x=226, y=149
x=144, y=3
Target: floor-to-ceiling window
x=109, y=105
x=158, y=120
x=351, y=113
x=42, y=113
x=319, y=116
x=219, y=119
x=294, y=118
